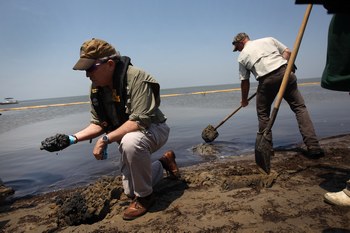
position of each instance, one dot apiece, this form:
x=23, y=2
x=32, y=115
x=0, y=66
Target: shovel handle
x=230, y=115
x=288, y=69
x=293, y=57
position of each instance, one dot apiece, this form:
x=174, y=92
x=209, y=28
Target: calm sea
x=31, y=171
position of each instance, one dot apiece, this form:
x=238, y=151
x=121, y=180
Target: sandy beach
x=228, y=195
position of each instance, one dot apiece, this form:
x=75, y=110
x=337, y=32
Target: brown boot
x=138, y=207
x=169, y=164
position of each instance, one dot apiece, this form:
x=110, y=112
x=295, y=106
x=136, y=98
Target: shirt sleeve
x=244, y=73
x=142, y=104
x=94, y=118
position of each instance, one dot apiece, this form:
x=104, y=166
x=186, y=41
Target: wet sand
x=228, y=195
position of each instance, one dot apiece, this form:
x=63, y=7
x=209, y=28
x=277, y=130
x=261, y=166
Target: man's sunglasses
x=96, y=65
x=236, y=42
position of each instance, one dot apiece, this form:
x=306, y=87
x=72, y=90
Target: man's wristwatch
x=105, y=139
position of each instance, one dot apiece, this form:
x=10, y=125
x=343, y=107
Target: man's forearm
x=245, y=86
x=91, y=131
x=127, y=127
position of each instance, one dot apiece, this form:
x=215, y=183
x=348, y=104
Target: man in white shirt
x=267, y=59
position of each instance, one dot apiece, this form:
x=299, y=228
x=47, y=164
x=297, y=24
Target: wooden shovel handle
x=289, y=69
x=293, y=57
x=228, y=117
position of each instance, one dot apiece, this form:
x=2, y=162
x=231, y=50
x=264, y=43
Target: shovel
x=209, y=133
x=263, y=144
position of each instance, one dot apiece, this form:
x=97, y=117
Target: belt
x=272, y=72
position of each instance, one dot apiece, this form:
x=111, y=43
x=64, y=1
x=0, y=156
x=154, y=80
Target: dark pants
x=267, y=90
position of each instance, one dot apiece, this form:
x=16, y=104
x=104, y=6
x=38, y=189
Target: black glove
x=55, y=143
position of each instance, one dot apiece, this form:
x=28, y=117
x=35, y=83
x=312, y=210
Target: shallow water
x=31, y=171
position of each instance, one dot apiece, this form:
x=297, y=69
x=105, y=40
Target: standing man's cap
x=238, y=38
x=92, y=50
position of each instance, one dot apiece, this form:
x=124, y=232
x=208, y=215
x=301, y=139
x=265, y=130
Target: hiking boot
x=315, y=153
x=169, y=164
x=138, y=207
x=339, y=198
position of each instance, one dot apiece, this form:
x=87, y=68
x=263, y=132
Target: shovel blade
x=209, y=133
x=263, y=151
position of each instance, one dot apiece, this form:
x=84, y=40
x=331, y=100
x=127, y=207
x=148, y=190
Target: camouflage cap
x=238, y=38
x=93, y=50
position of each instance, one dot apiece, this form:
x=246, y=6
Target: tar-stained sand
x=228, y=195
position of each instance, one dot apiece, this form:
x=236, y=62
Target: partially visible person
x=266, y=59
x=336, y=74
x=341, y=198
x=125, y=110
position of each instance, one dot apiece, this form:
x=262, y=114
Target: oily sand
x=229, y=195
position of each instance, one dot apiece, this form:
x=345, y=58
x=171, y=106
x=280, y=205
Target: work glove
x=57, y=142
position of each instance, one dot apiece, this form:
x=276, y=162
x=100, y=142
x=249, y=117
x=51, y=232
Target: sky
x=181, y=43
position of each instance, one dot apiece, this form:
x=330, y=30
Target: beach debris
x=91, y=204
x=55, y=143
x=5, y=191
x=229, y=176
x=207, y=151
x=104, y=199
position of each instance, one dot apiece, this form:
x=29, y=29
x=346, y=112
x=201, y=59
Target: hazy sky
x=180, y=42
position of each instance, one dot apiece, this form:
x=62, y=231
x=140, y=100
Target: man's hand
x=244, y=103
x=55, y=143
x=286, y=54
x=100, y=150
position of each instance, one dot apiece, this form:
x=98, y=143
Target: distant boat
x=9, y=100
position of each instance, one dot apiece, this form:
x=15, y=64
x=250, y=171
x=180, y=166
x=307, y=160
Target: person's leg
x=139, y=174
x=126, y=178
x=136, y=165
x=265, y=96
x=136, y=149
x=158, y=135
x=297, y=105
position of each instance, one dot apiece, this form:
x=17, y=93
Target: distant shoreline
x=162, y=96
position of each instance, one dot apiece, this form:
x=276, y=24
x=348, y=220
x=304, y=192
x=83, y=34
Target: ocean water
x=31, y=171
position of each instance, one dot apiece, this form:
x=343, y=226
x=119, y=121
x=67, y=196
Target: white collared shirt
x=260, y=57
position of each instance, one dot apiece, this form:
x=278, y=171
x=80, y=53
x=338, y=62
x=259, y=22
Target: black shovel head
x=263, y=151
x=209, y=133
